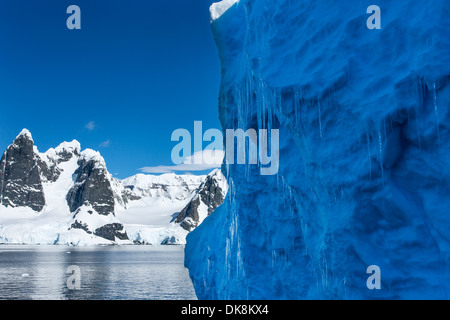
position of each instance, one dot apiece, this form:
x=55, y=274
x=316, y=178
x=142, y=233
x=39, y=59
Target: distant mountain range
x=67, y=196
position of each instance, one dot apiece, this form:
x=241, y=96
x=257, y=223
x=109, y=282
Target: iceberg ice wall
x=364, y=175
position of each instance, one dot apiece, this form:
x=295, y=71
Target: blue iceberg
x=364, y=165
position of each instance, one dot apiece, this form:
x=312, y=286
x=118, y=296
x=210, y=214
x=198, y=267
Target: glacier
x=364, y=177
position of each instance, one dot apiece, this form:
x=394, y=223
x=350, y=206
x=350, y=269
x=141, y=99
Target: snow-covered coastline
x=74, y=200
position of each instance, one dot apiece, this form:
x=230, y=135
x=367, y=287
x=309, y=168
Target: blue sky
x=135, y=72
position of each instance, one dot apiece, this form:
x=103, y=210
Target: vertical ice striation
x=320, y=119
x=380, y=154
x=373, y=190
x=436, y=112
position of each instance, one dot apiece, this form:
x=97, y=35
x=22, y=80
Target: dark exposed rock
x=48, y=172
x=130, y=196
x=65, y=154
x=211, y=193
x=111, y=232
x=141, y=242
x=82, y=226
x=126, y=195
x=191, y=212
x=20, y=179
x=91, y=186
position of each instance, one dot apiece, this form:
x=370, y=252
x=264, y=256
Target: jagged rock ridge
x=210, y=195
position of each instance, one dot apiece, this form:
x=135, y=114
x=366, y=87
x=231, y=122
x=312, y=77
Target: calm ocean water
x=102, y=273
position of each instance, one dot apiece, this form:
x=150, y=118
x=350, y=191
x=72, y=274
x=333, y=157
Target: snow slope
x=150, y=219
x=364, y=153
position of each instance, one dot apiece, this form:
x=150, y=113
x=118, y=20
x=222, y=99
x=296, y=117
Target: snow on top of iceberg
x=217, y=9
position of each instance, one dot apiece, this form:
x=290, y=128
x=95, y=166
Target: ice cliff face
x=364, y=153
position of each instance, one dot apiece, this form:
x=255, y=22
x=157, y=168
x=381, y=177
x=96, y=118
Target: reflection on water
x=106, y=272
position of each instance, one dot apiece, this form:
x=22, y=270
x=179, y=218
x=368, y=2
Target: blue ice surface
x=364, y=175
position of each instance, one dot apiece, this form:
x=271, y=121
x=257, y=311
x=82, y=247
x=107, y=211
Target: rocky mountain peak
x=25, y=134
x=92, y=184
x=24, y=140
x=20, y=179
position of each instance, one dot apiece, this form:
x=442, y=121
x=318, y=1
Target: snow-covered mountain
x=152, y=202
x=67, y=196
x=209, y=196
x=167, y=186
x=186, y=199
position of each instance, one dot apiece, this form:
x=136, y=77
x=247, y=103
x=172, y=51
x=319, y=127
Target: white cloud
x=105, y=144
x=206, y=157
x=199, y=161
x=90, y=125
